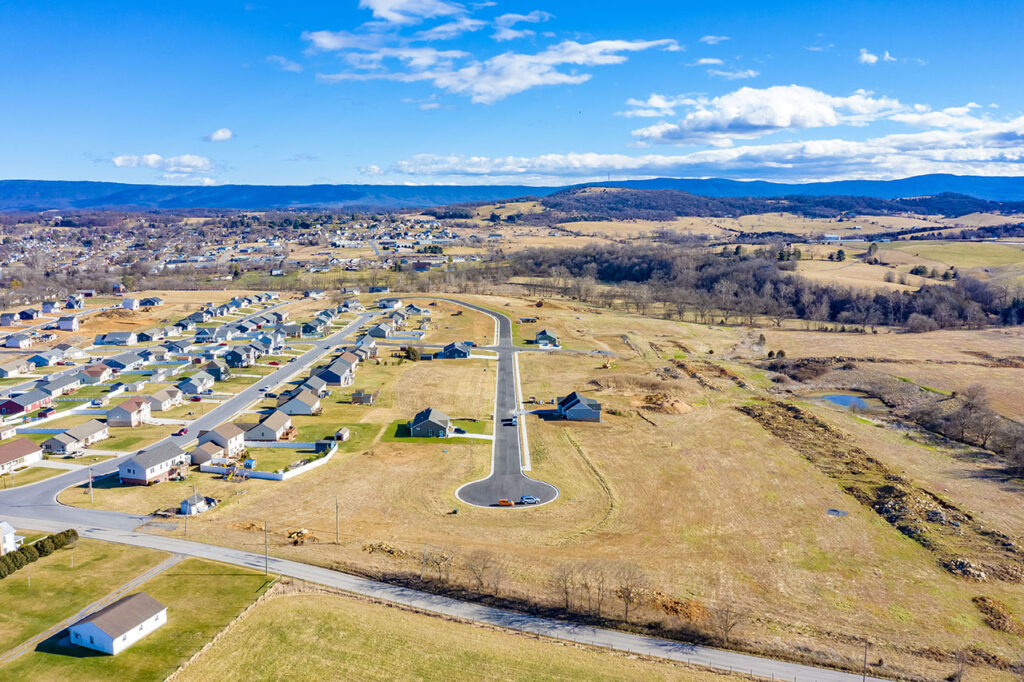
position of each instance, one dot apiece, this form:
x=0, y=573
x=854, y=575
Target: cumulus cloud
x=498, y=77
x=657, y=106
x=734, y=75
x=708, y=61
x=749, y=113
x=505, y=22
x=451, y=29
x=284, y=63
x=219, y=135
x=184, y=163
x=343, y=40
x=866, y=57
x=713, y=40
x=998, y=150
x=410, y=11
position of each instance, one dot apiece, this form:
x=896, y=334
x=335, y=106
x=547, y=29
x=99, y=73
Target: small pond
x=850, y=401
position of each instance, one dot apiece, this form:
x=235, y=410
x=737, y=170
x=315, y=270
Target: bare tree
x=478, y=564
x=565, y=580
x=593, y=584
x=725, y=617
x=631, y=584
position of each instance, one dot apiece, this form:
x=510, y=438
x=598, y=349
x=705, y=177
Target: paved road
x=611, y=639
x=34, y=506
x=506, y=479
x=37, y=500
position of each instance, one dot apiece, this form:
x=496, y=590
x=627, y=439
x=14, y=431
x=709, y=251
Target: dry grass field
x=361, y=640
x=709, y=503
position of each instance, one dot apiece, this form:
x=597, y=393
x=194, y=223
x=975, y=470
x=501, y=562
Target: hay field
x=361, y=640
x=961, y=254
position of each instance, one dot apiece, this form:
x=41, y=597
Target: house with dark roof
x=151, y=302
x=67, y=323
x=18, y=341
x=431, y=423
x=125, y=361
x=217, y=369
x=578, y=407
x=117, y=339
x=26, y=402
x=119, y=625
x=545, y=339
x=454, y=351
x=153, y=465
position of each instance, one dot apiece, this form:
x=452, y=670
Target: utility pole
x=337, y=522
x=864, y=674
x=90, y=486
x=266, y=550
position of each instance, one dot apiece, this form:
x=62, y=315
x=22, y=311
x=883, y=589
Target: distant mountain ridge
x=38, y=195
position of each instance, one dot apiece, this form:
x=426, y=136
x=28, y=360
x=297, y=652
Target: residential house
x=204, y=453
x=130, y=304
x=197, y=383
x=96, y=374
x=341, y=371
x=314, y=294
x=117, y=339
x=29, y=314
x=119, y=625
x=185, y=325
x=49, y=307
x=77, y=438
x=388, y=303
x=46, y=358
x=305, y=403
x=454, y=351
x=74, y=302
x=217, y=369
x=578, y=407
x=155, y=334
x=275, y=426
x=431, y=423
x=242, y=356
x=67, y=323
x=153, y=465
x=133, y=412
x=14, y=368
x=125, y=362
x=380, y=331
x=227, y=436
x=19, y=454
x=26, y=402
x=317, y=385
x=18, y=341
x=66, y=383
x=8, y=319
x=9, y=540
x=196, y=504
x=151, y=302
x=363, y=398
x=545, y=339
x=165, y=399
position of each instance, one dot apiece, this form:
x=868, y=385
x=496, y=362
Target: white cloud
x=410, y=11
x=505, y=22
x=734, y=75
x=998, y=150
x=866, y=57
x=506, y=74
x=657, y=106
x=343, y=40
x=886, y=57
x=451, y=29
x=284, y=63
x=184, y=163
x=713, y=40
x=219, y=135
x=708, y=61
x=749, y=113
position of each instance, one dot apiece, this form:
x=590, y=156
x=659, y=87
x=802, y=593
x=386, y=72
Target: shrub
x=30, y=553
x=45, y=547
x=918, y=323
x=17, y=560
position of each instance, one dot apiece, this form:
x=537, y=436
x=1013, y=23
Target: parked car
x=270, y=395
x=528, y=499
x=48, y=412
x=181, y=432
x=459, y=430
x=197, y=399
x=505, y=502
x=275, y=363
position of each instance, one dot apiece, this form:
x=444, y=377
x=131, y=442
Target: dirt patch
x=962, y=545
x=998, y=615
x=666, y=404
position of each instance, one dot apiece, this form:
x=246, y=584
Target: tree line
x=737, y=283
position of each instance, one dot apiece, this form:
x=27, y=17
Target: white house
x=228, y=436
x=19, y=454
x=130, y=304
x=68, y=323
x=9, y=541
x=116, y=627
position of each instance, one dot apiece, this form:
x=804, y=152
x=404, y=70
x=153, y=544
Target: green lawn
x=132, y=438
x=361, y=435
x=27, y=476
x=398, y=432
x=276, y=459
x=201, y=597
x=59, y=591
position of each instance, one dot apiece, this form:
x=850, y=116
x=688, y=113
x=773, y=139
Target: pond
x=850, y=401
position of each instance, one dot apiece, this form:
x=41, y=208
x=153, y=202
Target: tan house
x=19, y=454
x=227, y=436
x=133, y=412
x=77, y=438
x=96, y=374
x=275, y=426
x=165, y=399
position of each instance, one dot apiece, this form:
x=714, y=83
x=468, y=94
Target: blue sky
x=438, y=91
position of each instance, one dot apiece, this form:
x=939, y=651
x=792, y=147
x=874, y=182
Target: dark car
x=181, y=432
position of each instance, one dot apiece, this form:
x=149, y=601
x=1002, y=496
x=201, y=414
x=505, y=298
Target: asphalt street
x=34, y=506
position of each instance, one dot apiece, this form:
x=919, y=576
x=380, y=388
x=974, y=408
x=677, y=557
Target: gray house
x=430, y=423
x=578, y=407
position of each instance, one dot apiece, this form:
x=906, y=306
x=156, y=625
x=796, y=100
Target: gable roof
x=17, y=449
x=276, y=420
x=83, y=431
x=306, y=396
x=30, y=397
x=124, y=614
x=133, y=404
x=157, y=454
x=432, y=415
